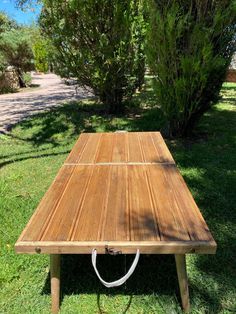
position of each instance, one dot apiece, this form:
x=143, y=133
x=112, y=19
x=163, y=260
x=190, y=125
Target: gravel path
x=52, y=92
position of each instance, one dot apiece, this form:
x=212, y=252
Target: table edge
x=126, y=247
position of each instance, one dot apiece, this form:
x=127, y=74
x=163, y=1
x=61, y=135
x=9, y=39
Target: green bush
x=190, y=44
x=100, y=43
x=40, y=52
x=27, y=78
x=16, y=51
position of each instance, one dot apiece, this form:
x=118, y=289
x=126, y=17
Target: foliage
x=27, y=4
x=15, y=47
x=40, y=51
x=100, y=43
x=2, y=62
x=190, y=44
x=5, y=25
x=27, y=78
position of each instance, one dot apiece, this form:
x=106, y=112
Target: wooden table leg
x=180, y=261
x=55, y=267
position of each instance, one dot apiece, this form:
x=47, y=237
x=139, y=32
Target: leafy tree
x=40, y=51
x=190, y=44
x=27, y=4
x=100, y=43
x=5, y=25
x=15, y=48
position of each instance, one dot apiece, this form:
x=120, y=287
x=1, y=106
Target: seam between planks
x=120, y=164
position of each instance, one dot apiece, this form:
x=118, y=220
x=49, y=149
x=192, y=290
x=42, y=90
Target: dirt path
x=51, y=92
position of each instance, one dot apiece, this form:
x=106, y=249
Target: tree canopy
x=15, y=47
x=190, y=45
x=98, y=42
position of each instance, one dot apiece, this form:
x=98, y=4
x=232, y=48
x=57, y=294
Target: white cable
x=120, y=281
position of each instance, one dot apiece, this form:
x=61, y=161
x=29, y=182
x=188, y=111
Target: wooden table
x=122, y=192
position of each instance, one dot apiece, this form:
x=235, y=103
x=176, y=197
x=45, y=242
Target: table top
x=121, y=191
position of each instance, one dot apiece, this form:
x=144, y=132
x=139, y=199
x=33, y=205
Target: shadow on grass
x=18, y=159
x=208, y=167
x=102, y=311
x=154, y=274
x=70, y=120
x=61, y=126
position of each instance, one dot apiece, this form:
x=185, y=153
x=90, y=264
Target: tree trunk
x=20, y=77
x=113, y=101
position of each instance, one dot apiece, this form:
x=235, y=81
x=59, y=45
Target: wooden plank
x=78, y=148
x=134, y=149
x=45, y=210
x=89, y=222
x=161, y=148
x=143, y=224
x=105, y=151
x=170, y=221
x=116, y=216
x=149, y=151
x=126, y=247
x=62, y=223
x=194, y=222
x=120, y=148
x=91, y=149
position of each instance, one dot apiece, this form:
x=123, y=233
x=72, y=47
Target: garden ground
x=30, y=156
x=45, y=92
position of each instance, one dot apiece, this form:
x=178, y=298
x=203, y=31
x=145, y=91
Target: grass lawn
x=30, y=157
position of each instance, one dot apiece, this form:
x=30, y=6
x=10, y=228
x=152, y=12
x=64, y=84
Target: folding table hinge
x=112, y=251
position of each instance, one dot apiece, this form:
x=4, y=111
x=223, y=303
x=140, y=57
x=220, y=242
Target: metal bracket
x=38, y=250
x=112, y=251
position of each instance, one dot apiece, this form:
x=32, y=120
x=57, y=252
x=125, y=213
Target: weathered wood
x=120, y=191
x=55, y=266
x=120, y=147
x=120, y=203
x=46, y=207
x=120, y=188
x=127, y=247
x=180, y=261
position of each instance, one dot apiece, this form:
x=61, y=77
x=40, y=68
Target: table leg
x=55, y=267
x=180, y=261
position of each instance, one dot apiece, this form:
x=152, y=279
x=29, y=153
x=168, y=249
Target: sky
x=28, y=17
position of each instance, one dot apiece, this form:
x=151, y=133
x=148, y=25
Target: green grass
x=30, y=157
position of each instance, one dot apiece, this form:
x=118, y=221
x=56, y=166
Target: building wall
x=231, y=74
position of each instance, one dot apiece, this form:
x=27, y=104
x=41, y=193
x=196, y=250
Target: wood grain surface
x=117, y=190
